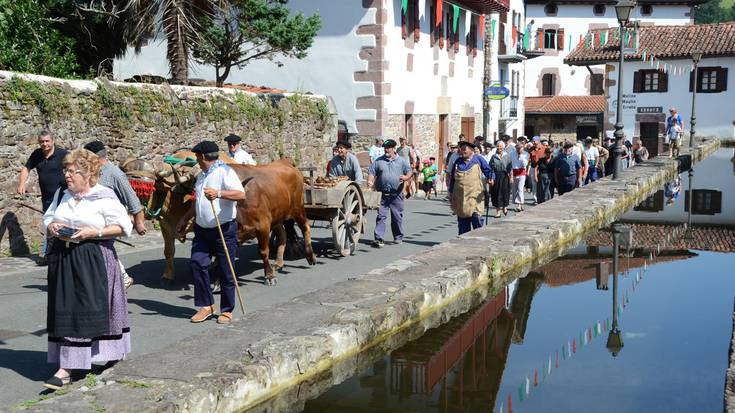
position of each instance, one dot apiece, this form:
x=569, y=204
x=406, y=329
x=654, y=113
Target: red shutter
x=663, y=82
x=540, y=39
x=721, y=79
x=637, y=81
x=416, y=21
x=560, y=39
x=404, y=29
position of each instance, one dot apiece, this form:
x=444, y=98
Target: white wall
x=575, y=20
x=328, y=69
x=715, y=113
x=421, y=85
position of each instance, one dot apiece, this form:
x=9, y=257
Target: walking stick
x=227, y=253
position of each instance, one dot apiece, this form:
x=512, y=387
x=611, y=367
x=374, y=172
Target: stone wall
x=143, y=121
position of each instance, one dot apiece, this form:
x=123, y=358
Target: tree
x=29, y=42
x=713, y=12
x=245, y=30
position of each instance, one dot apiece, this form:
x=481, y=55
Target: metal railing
x=509, y=108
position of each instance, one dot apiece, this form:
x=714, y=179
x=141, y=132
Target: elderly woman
x=87, y=315
x=520, y=160
x=502, y=167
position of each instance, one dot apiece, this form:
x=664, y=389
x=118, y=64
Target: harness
x=144, y=185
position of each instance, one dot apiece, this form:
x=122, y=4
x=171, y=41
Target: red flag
x=514, y=32
x=482, y=24
x=535, y=377
x=439, y=12
x=574, y=345
x=581, y=40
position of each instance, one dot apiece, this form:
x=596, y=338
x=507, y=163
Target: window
x=598, y=9
x=551, y=9
x=596, y=84
x=646, y=10
x=549, y=39
x=646, y=81
x=705, y=202
x=547, y=84
x=471, y=39
x=653, y=203
x=709, y=80
x=410, y=21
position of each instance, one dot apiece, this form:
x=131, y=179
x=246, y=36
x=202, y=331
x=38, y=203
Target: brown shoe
x=224, y=318
x=203, y=314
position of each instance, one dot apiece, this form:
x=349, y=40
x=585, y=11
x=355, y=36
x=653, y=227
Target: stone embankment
x=268, y=352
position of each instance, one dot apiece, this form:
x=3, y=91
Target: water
x=546, y=342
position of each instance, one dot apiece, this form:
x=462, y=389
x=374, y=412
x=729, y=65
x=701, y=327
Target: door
x=584, y=131
x=649, y=137
x=442, y=134
x=468, y=128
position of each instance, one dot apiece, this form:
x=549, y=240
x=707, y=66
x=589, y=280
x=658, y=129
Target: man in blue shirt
x=466, y=188
x=567, y=168
x=345, y=163
x=387, y=175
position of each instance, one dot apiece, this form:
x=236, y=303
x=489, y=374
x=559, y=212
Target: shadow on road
x=160, y=308
x=29, y=364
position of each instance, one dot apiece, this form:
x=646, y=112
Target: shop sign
x=650, y=109
x=587, y=119
x=497, y=92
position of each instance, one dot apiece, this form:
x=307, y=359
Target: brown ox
x=274, y=195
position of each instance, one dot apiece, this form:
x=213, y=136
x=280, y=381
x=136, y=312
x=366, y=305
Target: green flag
x=520, y=391
x=525, y=40
x=455, y=14
x=492, y=30
x=404, y=6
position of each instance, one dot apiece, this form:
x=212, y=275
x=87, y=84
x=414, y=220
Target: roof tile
x=716, y=39
x=565, y=104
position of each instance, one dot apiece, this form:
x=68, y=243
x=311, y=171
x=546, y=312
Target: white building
x=650, y=88
x=389, y=73
x=558, y=27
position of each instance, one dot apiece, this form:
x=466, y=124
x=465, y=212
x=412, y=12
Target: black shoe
x=378, y=243
x=41, y=262
x=56, y=383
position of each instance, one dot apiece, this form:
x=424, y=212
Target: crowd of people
x=87, y=203
x=479, y=175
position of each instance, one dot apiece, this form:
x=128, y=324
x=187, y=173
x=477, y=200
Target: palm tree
x=178, y=20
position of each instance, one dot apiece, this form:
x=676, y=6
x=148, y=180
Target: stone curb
x=730, y=374
x=234, y=368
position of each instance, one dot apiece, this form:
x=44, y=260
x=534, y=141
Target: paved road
x=160, y=316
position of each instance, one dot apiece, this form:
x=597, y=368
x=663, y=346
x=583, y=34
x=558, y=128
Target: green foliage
x=91, y=380
x=51, y=100
x=135, y=384
x=714, y=11
x=246, y=30
x=29, y=42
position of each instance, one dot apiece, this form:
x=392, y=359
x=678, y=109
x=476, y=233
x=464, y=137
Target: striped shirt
x=114, y=178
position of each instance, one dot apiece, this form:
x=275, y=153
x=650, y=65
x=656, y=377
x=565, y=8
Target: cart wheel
x=347, y=223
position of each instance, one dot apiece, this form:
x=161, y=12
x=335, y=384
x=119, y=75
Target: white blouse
x=95, y=212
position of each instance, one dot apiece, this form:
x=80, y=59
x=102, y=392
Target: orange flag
x=439, y=12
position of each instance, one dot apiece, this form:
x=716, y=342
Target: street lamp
x=615, y=336
x=622, y=10
x=696, y=57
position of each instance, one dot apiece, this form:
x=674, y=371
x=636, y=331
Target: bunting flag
x=404, y=6
x=569, y=349
x=492, y=29
x=603, y=36
x=482, y=24
x=510, y=404
x=528, y=386
x=520, y=392
x=574, y=346
x=563, y=351
x=514, y=34
x=439, y=12
x=455, y=16
x=525, y=40
x=535, y=377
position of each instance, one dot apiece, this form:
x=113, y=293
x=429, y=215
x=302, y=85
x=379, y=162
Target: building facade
x=659, y=76
x=414, y=72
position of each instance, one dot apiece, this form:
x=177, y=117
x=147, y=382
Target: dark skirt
x=543, y=188
x=88, y=339
x=500, y=192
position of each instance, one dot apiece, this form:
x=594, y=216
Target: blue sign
x=497, y=92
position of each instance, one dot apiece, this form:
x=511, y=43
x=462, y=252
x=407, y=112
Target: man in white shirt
x=217, y=185
x=593, y=156
x=377, y=150
x=235, y=152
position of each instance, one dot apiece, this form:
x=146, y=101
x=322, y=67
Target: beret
x=95, y=147
x=205, y=147
x=232, y=138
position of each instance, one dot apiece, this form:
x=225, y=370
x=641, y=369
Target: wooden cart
x=344, y=205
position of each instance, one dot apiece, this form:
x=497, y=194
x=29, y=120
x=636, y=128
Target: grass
x=135, y=384
x=91, y=380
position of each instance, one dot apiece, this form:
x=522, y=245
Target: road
x=160, y=315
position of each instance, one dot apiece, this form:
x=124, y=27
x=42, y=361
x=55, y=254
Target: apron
x=468, y=197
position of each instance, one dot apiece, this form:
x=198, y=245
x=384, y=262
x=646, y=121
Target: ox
x=274, y=197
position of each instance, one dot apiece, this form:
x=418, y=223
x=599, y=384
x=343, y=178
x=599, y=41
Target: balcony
x=509, y=108
x=509, y=53
x=486, y=6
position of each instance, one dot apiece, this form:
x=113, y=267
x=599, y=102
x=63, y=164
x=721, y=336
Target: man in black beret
x=218, y=183
x=388, y=175
x=345, y=163
x=235, y=151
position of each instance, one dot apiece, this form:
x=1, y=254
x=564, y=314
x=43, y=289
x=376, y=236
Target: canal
x=571, y=335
